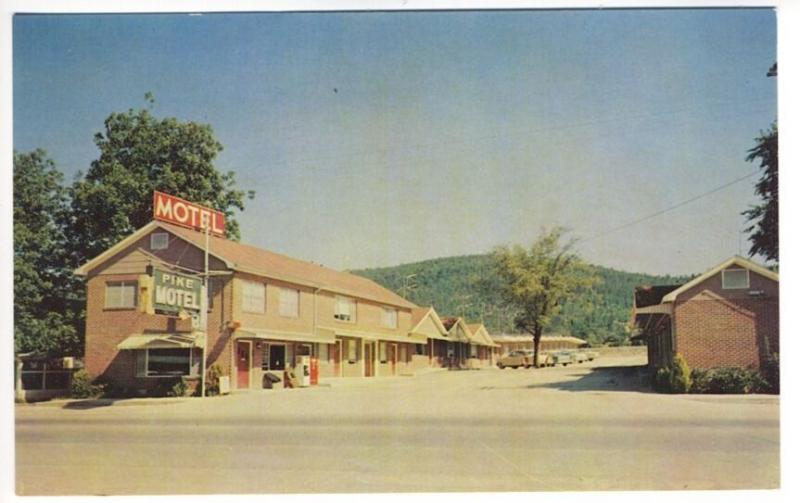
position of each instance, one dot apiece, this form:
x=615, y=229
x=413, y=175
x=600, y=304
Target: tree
x=764, y=230
x=45, y=314
x=537, y=282
x=140, y=153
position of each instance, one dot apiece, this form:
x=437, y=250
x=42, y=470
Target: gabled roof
x=249, y=259
x=418, y=315
x=479, y=331
x=735, y=260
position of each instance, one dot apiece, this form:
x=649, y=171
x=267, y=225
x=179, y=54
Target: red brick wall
x=106, y=328
x=716, y=327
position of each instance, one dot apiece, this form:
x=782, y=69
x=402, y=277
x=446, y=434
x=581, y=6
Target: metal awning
x=320, y=335
x=163, y=341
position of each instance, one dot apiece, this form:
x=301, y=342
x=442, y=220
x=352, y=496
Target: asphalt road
x=587, y=427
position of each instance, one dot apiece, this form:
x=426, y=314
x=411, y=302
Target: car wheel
x=500, y=366
x=564, y=364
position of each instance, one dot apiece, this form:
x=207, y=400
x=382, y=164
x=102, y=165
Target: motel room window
x=473, y=351
x=382, y=352
x=289, y=303
x=351, y=350
x=167, y=362
x=253, y=297
x=389, y=317
x=345, y=309
x=274, y=357
x=735, y=279
x=121, y=294
x=159, y=241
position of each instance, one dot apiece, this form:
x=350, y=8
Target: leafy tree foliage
x=537, y=282
x=764, y=230
x=140, y=153
x=466, y=286
x=46, y=313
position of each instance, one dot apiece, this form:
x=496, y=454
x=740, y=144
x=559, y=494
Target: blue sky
x=374, y=139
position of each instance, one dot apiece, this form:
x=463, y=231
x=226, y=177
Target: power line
x=665, y=210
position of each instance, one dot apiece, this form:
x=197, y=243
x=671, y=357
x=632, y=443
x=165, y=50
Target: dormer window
x=159, y=241
x=733, y=279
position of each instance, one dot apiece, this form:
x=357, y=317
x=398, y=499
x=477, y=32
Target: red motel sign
x=184, y=213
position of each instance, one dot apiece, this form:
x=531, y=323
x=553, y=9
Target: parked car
x=561, y=357
x=579, y=356
x=591, y=355
x=523, y=358
x=515, y=359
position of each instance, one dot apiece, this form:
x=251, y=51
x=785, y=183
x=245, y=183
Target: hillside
x=458, y=286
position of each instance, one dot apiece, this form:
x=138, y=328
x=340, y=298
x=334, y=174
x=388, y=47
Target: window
x=345, y=309
x=253, y=295
x=167, y=362
x=323, y=352
x=382, y=352
x=473, y=351
x=289, y=303
x=389, y=318
x=735, y=278
x=420, y=349
x=159, y=241
x=274, y=357
x=121, y=294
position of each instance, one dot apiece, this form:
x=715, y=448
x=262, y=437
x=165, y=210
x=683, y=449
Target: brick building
x=727, y=316
x=264, y=311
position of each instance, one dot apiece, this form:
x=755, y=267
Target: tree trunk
x=537, y=338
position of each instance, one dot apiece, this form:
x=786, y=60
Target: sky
x=374, y=139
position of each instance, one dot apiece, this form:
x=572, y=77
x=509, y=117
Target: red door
x=337, y=358
x=242, y=365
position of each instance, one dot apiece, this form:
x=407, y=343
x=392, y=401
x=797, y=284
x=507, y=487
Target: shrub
x=213, y=374
x=673, y=379
x=700, y=381
x=771, y=372
x=83, y=386
x=178, y=388
x=681, y=381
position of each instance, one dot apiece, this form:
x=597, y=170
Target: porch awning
x=163, y=341
x=320, y=335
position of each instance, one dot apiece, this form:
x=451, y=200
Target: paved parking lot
x=586, y=427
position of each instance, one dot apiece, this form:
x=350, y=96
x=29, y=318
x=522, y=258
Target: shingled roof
x=247, y=258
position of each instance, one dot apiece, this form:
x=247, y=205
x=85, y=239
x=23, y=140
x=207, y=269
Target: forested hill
x=457, y=286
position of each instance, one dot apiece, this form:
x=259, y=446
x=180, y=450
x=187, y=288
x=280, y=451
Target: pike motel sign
x=175, y=292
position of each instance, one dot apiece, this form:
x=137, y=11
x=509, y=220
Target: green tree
x=764, y=216
x=538, y=281
x=140, y=153
x=45, y=310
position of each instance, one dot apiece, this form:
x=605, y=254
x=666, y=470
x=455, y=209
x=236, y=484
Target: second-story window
x=289, y=303
x=121, y=295
x=389, y=317
x=253, y=297
x=159, y=241
x=735, y=278
x=345, y=309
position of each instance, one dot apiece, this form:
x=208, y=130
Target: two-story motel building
x=264, y=310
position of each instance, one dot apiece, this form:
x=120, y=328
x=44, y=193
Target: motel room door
x=369, y=351
x=393, y=358
x=243, y=364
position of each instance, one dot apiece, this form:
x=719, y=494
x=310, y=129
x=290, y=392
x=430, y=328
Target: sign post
x=181, y=212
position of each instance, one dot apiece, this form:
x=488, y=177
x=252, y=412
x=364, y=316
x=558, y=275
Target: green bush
x=673, y=379
x=700, y=381
x=83, y=386
x=178, y=388
x=771, y=371
x=681, y=375
x=213, y=374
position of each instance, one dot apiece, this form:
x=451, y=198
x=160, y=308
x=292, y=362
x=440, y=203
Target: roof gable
x=735, y=260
